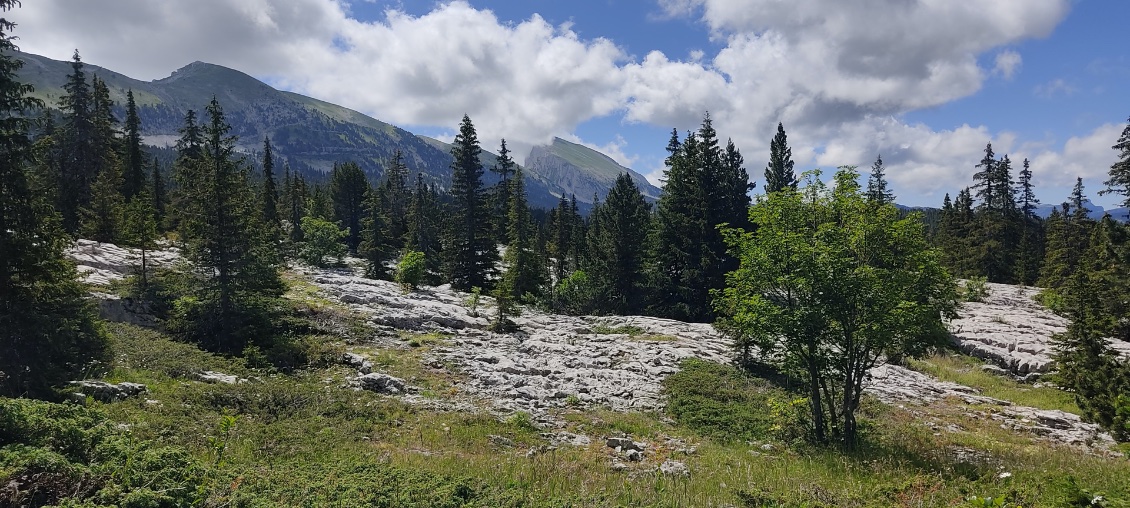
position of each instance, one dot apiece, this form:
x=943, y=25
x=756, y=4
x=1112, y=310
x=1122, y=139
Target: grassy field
x=307, y=439
x=967, y=371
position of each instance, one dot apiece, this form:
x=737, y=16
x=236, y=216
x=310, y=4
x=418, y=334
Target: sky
x=926, y=84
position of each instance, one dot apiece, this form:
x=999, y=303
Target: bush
x=574, y=295
x=975, y=289
x=411, y=270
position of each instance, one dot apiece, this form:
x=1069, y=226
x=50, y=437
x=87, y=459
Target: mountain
x=1096, y=211
x=582, y=171
x=309, y=133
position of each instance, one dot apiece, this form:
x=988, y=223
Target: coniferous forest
x=815, y=279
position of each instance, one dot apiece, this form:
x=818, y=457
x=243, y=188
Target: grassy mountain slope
x=581, y=170
x=311, y=134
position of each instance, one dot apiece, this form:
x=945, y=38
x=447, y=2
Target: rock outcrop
x=106, y=392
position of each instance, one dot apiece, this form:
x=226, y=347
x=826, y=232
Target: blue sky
x=926, y=83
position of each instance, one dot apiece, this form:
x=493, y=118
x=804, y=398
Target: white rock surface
x=108, y=392
x=1012, y=330
x=101, y=263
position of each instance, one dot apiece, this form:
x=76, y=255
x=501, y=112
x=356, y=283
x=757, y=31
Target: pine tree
x=270, y=193
x=1119, y=181
x=348, y=186
x=615, y=255
x=1030, y=251
x=226, y=241
x=133, y=181
x=190, y=152
x=78, y=154
x=102, y=221
x=525, y=272
x=470, y=248
x=1028, y=199
x=296, y=198
x=48, y=330
x=140, y=230
x=158, y=193
x=877, y=190
x=397, y=198
x=559, y=243
x=985, y=181
x=779, y=173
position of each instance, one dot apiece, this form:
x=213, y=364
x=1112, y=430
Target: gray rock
x=674, y=468
x=362, y=364
x=501, y=441
x=381, y=383
x=634, y=455
x=108, y=392
x=624, y=443
x=213, y=377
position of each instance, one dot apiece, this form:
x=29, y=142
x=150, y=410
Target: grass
x=304, y=439
x=629, y=330
x=967, y=371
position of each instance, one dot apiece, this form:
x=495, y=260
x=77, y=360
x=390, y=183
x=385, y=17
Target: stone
x=213, y=377
x=108, y=392
x=674, y=468
x=624, y=443
x=634, y=455
x=362, y=364
x=381, y=383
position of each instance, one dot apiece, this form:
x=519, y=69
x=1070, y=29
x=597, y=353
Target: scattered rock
x=624, y=443
x=634, y=455
x=381, y=383
x=362, y=364
x=107, y=392
x=619, y=466
x=674, y=468
x=213, y=377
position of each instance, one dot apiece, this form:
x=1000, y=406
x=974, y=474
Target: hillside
x=582, y=171
x=412, y=402
x=311, y=134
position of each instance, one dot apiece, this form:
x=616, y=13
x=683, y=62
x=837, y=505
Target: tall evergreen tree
x=348, y=187
x=984, y=180
x=616, y=241
x=470, y=248
x=226, y=241
x=160, y=199
x=779, y=173
x=78, y=153
x=1030, y=251
x=376, y=246
x=397, y=197
x=139, y=229
x=270, y=193
x=1028, y=200
x=1119, y=181
x=560, y=239
x=877, y=190
x=525, y=270
x=296, y=204
x=505, y=167
x=48, y=330
x=424, y=221
x=133, y=181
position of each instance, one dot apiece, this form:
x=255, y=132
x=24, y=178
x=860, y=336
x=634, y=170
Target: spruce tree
x=296, y=204
x=1030, y=251
x=133, y=180
x=48, y=330
x=225, y=240
x=560, y=239
x=616, y=255
x=877, y=190
x=157, y=179
x=1119, y=181
x=78, y=154
x=470, y=248
x=270, y=194
x=779, y=173
x=102, y=221
x=397, y=197
x=348, y=187
x=424, y=221
x=525, y=271
x=140, y=230
x=376, y=242
x=505, y=167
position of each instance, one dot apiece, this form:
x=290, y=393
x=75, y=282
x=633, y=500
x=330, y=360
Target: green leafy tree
x=616, y=240
x=829, y=286
x=239, y=296
x=411, y=270
x=470, y=247
x=348, y=187
x=48, y=330
x=779, y=173
x=323, y=242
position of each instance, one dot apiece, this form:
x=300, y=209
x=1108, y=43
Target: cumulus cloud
x=1007, y=63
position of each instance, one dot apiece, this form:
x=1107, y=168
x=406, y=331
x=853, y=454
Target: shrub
x=975, y=289
x=411, y=270
x=574, y=295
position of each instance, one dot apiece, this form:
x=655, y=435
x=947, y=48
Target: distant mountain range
x=312, y=134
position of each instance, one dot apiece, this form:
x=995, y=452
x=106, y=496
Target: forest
x=816, y=278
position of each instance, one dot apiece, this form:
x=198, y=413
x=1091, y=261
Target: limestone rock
x=213, y=377
x=674, y=468
x=362, y=364
x=381, y=383
x=108, y=392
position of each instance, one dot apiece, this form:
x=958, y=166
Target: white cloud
x=1055, y=87
x=1007, y=64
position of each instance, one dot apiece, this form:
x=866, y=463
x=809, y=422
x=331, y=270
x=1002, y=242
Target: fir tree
x=877, y=190
x=397, y=197
x=157, y=179
x=985, y=179
x=296, y=204
x=615, y=255
x=470, y=249
x=348, y=186
x=1119, y=181
x=140, y=230
x=134, y=175
x=48, y=330
x=779, y=173
x=559, y=244
x=270, y=193
x=1030, y=251
x=1028, y=199
x=102, y=221
x=505, y=167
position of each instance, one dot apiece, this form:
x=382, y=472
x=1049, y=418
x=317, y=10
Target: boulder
x=108, y=392
x=381, y=383
x=213, y=377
